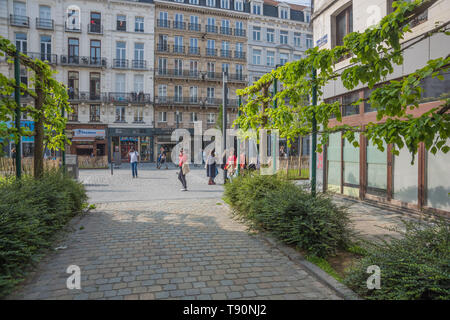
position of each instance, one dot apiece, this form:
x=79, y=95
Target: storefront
x=27, y=143
x=123, y=139
x=88, y=140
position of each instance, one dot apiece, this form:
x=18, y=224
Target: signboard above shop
x=89, y=133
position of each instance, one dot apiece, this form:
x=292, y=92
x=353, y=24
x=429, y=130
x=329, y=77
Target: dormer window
x=256, y=8
x=238, y=5
x=225, y=4
x=284, y=13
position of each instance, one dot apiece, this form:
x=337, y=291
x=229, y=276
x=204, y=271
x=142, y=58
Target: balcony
x=139, y=64
x=213, y=76
x=19, y=21
x=45, y=24
x=226, y=31
x=179, y=25
x=176, y=73
x=72, y=28
x=239, y=32
x=50, y=58
x=239, y=55
x=129, y=97
x=211, y=29
x=162, y=47
x=211, y=52
x=163, y=23
x=86, y=96
x=194, y=27
x=120, y=63
x=237, y=77
x=94, y=62
x=178, y=100
x=95, y=28
x=194, y=51
x=178, y=49
x=225, y=53
x=213, y=101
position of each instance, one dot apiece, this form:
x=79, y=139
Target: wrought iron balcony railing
x=194, y=27
x=50, y=58
x=225, y=53
x=85, y=96
x=72, y=27
x=163, y=23
x=194, y=50
x=120, y=63
x=129, y=97
x=162, y=47
x=45, y=24
x=177, y=73
x=239, y=32
x=19, y=21
x=179, y=25
x=226, y=31
x=239, y=55
x=178, y=49
x=96, y=62
x=211, y=52
x=139, y=64
x=95, y=28
x=211, y=29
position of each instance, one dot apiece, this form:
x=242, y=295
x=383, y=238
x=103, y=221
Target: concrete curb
x=293, y=255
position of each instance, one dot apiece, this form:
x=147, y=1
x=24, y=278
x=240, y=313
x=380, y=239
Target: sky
x=302, y=2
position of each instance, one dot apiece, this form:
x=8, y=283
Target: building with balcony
x=366, y=172
x=195, y=41
x=103, y=51
x=278, y=32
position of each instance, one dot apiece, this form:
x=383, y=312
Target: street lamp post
x=224, y=119
x=177, y=115
x=18, y=116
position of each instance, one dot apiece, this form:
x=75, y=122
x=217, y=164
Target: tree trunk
x=39, y=131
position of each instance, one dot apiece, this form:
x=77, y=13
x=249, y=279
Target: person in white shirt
x=134, y=155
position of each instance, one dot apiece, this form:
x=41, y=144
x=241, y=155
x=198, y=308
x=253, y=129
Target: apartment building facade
x=103, y=52
x=278, y=32
x=366, y=172
x=195, y=42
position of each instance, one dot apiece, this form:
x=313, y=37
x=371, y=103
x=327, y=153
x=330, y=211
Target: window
x=193, y=46
x=225, y=67
x=162, y=116
x=162, y=66
x=95, y=24
x=178, y=67
x=120, y=114
x=283, y=37
x=73, y=116
x=193, y=2
x=211, y=3
x=211, y=25
x=162, y=43
x=347, y=107
x=178, y=47
x=194, y=25
x=211, y=118
x=163, y=21
x=225, y=4
x=94, y=113
x=226, y=52
x=121, y=23
x=178, y=93
x=162, y=92
x=308, y=17
x=211, y=69
x=284, y=58
x=193, y=68
x=121, y=49
x=270, y=35
x=194, y=116
x=120, y=83
x=239, y=71
x=138, y=114
x=178, y=116
x=270, y=58
x=344, y=25
x=95, y=52
x=239, y=29
x=21, y=42
x=256, y=56
x=139, y=24
x=73, y=84
x=193, y=91
x=45, y=17
x=46, y=48
x=94, y=86
x=139, y=55
x=238, y=5
x=210, y=95
x=73, y=50
x=297, y=36
x=225, y=29
x=256, y=33
x=139, y=83
x=256, y=9
x=309, y=41
x=284, y=13
x=210, y=47
x=367, y=106
x=297, y=57
x=178, y=23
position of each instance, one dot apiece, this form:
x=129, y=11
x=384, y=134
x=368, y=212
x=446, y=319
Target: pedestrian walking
x=231, y=164
x=211, y=170
x=184, y=168
x=162, y=158
x=134, y=156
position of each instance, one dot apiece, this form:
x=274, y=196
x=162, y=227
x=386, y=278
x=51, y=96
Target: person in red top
x=182, y=159
x=231, y=163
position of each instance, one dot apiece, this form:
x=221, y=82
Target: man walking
x=134, y=155
x=162, y=158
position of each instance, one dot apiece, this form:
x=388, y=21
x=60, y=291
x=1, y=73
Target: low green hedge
x=293, y=215
x=416, y=266
x=31, y=212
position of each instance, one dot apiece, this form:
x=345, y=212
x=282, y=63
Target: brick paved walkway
x=148, y=240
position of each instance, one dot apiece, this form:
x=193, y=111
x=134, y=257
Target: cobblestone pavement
x=149, y=240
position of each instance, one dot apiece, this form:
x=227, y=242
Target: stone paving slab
x=169, y=249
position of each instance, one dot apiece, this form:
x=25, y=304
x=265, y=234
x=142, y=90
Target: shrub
x=417, y=266
x=290, y=213
x=31, y=212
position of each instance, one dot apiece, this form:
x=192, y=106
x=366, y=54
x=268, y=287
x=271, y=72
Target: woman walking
x=184, y=169
x=211, y=170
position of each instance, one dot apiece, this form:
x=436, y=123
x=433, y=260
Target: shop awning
x=84, y=146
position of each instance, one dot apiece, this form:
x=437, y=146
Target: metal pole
x=238, y=141
x=314, y=136
x=275, y=88
x=224, y=119
x=18, y=116
x=177, y=115
x=63, y=151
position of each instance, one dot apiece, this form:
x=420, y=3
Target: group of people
x=229, y=164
